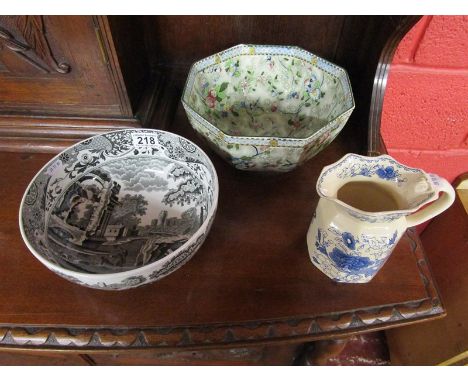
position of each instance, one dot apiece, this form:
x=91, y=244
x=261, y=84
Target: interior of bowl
x=275, y=93
x=116, y=214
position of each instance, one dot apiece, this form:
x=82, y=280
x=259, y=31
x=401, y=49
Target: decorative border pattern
x=352, y=165
x=37, y=50
x=300, y=329
x=290, y=51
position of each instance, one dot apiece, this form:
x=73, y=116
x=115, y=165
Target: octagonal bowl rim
x=248, y=139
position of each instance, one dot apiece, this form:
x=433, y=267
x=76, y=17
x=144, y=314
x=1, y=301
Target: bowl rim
x=300, y=142
x=97, y=277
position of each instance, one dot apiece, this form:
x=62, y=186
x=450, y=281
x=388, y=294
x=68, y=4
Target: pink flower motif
x=271, y=63
x=211, y=99
x=255, y=125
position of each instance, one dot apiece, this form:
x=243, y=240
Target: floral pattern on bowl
x=267, y=107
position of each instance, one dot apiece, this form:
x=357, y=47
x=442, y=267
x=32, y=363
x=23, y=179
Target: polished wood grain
x=265, y=355
x=35, y=358
x=249, y=281
x=53, y=134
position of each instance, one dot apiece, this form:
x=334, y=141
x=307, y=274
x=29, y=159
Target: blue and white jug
x=365, y=206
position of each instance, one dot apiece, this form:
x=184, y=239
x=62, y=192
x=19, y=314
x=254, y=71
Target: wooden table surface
x=251, y=281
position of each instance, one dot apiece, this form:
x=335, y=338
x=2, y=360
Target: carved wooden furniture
x=61, y=77
x=250, y=295
x=443, y=341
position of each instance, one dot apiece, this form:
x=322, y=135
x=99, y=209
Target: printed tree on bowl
x=188, y=190
x=129, y=210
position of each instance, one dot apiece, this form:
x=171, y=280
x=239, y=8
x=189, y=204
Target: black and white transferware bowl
x=120, y=209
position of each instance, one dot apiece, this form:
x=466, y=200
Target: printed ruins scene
x=125, y=214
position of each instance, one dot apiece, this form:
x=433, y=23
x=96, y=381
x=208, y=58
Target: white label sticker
x=143, y=139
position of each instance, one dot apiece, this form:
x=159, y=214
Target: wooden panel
x=181, y=40
x=128, y=37
x=53, y=134
x=59, y=65
x=243, y=356
x=35, y=358
x=19, y=133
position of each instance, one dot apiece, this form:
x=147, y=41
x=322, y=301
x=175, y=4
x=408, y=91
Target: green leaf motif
x=223, y=86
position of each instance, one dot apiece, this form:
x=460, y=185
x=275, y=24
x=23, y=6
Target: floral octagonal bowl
x=120, y=209
x=267, y=108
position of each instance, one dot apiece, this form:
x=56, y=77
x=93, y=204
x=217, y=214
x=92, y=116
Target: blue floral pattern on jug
x=338, y=252
x=349, y=240
x=386, y=173
x=368, y=167
x=348, y=262
x=376, y=219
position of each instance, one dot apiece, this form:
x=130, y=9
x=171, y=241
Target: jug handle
x=438, y=206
